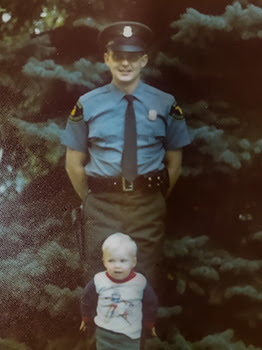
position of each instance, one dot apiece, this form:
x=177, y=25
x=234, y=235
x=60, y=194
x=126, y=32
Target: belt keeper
x=149, y=179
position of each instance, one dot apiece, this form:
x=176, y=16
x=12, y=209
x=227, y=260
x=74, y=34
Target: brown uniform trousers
x=137, y=214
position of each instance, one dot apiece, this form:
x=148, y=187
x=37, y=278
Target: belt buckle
x=126, y=187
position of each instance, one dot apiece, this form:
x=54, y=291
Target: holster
x=78, y=228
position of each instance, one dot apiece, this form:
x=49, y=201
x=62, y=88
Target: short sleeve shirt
x=97, y=128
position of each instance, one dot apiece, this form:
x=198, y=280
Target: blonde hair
x=119, y=240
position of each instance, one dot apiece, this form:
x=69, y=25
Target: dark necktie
x=129, y=157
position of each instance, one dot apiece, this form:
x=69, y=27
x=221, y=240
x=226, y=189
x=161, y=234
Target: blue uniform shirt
x=97, y=122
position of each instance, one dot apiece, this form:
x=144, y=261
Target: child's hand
x=83, y=326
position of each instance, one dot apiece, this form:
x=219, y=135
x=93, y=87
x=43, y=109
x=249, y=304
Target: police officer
x=124, y=150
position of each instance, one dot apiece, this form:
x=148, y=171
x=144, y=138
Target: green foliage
x=210, y=59
x=10, y=344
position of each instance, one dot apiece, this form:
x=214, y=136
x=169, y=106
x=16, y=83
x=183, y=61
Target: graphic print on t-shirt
x=118, y=307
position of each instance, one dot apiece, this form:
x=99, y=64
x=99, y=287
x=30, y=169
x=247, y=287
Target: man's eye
x=130, y=57
x=118, y=57
x=134, y=57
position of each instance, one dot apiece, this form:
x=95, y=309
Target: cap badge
x=152, y=115
x=127, y=32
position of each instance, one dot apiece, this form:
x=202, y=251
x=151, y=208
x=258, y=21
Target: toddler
x=119, y=299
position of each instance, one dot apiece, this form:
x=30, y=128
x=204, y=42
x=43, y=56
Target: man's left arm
x=176, y=138
x=174, y=161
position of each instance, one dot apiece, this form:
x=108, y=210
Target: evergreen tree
x=208, y=55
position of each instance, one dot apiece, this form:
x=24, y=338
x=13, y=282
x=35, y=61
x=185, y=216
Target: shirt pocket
x=105, y=136
x=156, y=129
x=96, y=136
x=96, y=141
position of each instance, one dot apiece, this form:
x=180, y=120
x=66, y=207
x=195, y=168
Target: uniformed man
x=124, y=154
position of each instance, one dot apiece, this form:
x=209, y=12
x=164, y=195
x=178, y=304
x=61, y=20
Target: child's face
x=119, y=262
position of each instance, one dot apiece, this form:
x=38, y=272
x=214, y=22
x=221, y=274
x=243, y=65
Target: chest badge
x=152, y=115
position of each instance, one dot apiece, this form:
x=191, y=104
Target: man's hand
x=83, y=326
x=174, y=161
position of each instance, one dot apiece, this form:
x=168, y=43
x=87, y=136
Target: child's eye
x=123, y=260
x=110, y=260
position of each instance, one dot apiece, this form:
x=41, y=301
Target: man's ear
x=106, y=58
x=144, y=60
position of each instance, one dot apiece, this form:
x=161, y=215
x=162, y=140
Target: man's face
x=125, y=66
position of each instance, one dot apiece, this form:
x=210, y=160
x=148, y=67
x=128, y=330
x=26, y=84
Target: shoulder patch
x=77, y=113
x=176, y=112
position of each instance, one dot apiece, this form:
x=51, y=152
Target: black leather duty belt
x=154, y=181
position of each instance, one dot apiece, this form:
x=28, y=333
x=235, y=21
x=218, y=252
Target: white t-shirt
x=119, y=307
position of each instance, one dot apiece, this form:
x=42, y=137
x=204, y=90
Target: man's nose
x=125, y=62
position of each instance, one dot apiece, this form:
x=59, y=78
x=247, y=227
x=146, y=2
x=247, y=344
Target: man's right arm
x=75, y=168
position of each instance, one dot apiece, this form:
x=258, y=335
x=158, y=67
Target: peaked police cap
x=126, y=36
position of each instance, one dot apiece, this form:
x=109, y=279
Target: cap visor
x=126, y=48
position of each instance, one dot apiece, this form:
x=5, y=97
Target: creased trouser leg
x=140, y=215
